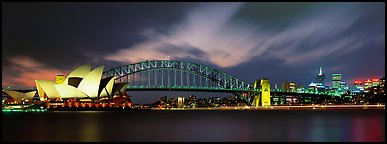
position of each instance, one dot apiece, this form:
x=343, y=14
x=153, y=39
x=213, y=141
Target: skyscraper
x=336, y=80
x=320, y=78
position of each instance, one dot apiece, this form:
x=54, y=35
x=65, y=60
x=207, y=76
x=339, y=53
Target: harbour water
x=196, y=126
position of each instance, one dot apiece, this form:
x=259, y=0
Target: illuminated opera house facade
x=82, y=84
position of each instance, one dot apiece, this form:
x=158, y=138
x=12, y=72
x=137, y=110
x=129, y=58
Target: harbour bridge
x=171, y=75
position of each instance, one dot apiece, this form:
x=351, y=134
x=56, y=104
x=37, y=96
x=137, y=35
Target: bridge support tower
x=262, y=92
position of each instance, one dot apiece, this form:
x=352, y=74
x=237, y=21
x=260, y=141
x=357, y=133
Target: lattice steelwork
x=175, y=74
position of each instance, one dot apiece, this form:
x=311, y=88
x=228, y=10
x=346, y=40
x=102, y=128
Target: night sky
x=278, y=41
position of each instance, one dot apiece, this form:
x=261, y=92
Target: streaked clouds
x=205, y=29
x=25, y=70
x=258, y=39
x=214, y=31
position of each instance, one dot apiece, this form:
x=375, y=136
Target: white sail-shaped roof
x=30, y=94
x=40, y=91
x=109, y=88
x=68, y=91
x=46, y=86
x=123, y=89
x=19, y=96
x=90, y=83
x=80, y=72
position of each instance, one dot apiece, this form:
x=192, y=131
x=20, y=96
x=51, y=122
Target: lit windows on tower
x=336, y=80
x=344, y=86
x=357, y=83
x=289, y=87
x=358, y=87
x=293, y=86
x=382, y=81
x=367, y=84
x=375, y=82
x=180, y=102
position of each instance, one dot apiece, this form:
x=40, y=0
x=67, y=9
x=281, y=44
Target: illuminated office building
x=289, y=87
x=336, y=80
x=382, y=81
x=375, y=82
x=358, y=87
x=367, y=84
x=180, y=102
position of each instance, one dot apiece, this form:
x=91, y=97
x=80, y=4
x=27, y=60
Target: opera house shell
x=20, y=96
x=81, y=83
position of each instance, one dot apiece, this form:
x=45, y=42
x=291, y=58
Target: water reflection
x=88, y=128
x=373, y=133
x=196, y=126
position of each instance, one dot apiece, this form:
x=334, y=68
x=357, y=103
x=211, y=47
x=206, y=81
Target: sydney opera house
x=81, y=83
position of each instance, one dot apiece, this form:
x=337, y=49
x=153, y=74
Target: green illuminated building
x=336, y=79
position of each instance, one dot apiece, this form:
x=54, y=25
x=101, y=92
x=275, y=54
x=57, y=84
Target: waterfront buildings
x=375, y=82
x=83, y=87
x=289, y=87
x=180, y=101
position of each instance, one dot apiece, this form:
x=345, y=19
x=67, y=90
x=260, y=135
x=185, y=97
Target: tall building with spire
x=320, y=78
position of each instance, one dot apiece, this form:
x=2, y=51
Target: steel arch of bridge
x=225, y=81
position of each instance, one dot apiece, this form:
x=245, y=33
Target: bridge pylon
x=261, y=92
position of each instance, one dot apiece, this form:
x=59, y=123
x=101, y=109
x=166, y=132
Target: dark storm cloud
x=66, y=35
x=273, y=16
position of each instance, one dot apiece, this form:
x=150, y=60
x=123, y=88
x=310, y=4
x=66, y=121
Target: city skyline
x=279, y=41
x=193, y=71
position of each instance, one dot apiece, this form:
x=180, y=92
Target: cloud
x=24, y=70
x=203, y=35
x=211, y=33
x=172, y=49
x=323, y=35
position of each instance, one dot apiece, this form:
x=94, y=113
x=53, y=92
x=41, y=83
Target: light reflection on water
x=197, y=126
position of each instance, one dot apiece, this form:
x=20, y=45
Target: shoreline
x=246, y=108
